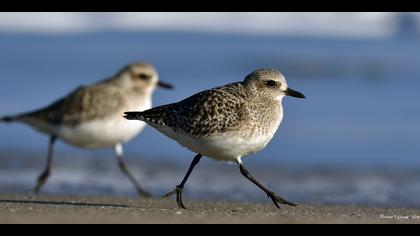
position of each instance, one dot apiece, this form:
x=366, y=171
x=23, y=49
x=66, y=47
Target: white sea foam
x=318, y=24
x=101, y=176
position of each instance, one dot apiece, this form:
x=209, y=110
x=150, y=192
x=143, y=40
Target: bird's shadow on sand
x=62, y=203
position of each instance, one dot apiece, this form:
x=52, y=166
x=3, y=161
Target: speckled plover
x=226, y=123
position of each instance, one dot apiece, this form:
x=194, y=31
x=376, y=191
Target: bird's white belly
x=101, y=133
x=224, y=147
x=230, y=148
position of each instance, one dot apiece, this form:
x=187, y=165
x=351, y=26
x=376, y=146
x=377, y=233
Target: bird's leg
x=274, y=197
x=44, y=176
x=120, y=158
x=178, y=190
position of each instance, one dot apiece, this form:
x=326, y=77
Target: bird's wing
x=83, y=104
x=213, y=111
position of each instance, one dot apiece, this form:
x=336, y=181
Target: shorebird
x=90, y=117
x=225, y=123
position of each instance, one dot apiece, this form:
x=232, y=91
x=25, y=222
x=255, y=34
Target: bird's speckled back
x=232, y=107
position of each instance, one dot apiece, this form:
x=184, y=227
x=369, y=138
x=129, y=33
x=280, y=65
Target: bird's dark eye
x=271, y=83
x=143, y=76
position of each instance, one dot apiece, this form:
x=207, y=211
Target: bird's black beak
x=293, y=93
x=165, y=85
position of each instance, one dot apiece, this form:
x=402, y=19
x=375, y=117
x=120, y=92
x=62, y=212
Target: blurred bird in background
x=91, y=117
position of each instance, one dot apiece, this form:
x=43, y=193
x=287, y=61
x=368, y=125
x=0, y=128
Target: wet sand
x=72, y=209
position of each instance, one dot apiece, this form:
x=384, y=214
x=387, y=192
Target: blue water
x=361, y=110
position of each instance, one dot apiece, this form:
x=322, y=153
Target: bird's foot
x=277, y=199
x=178, y=191
x=41, y=181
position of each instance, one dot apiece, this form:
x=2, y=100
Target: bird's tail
x=135, y=115
x=7, y=119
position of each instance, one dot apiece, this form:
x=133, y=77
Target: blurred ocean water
x=353, y=140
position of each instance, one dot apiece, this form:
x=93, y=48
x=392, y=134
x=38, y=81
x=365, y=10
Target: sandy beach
x=98, y=210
